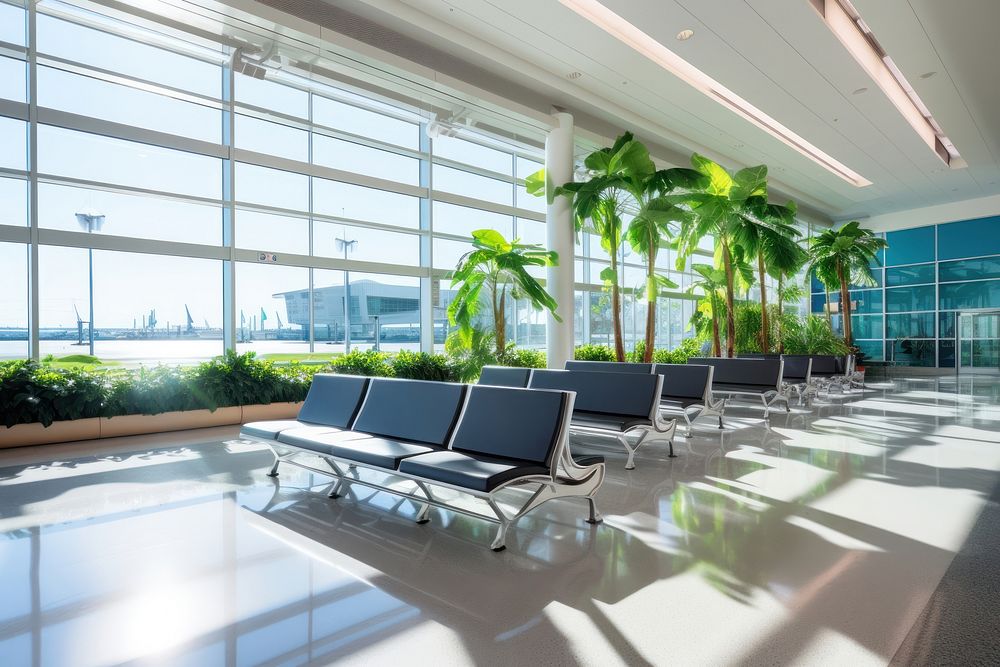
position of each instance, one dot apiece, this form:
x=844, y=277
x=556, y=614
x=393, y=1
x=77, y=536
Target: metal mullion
x=34, y=311
x=336, y=264
x=322, y=217
x=312, y=242
x=52, y=179
x=15, y=233
x=106, y=128
x=229, y=305
x=472, y=169
x=65, y=238
x=13, y=51
x=16, y=110
x=483, y=205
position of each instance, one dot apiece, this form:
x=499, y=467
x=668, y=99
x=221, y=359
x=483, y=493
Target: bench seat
x=738, y=387
x=478, y=472
x=604, y=421
x=370, y=450
x=269, y=430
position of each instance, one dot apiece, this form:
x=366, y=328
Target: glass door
x=977, y=342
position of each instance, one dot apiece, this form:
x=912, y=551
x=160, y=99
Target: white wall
x=968, y=209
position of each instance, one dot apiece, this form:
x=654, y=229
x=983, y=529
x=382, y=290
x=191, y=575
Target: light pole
x=346, y=245
x=90, y=222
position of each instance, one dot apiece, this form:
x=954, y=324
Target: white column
x=559, y=230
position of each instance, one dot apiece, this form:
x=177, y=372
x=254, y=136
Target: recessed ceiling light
x=927, y=75
x=647, y=46
x=574, y=75
x=859, y=91
x=685, y=35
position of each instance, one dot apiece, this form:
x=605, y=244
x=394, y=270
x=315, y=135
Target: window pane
x=462, y=220
x=910, y=325
x=12, y=78
x=526, y=167
x=13, y=202
x=903, y=299
x=466, y=184
x=272, y=96
x=260, y=136
x=372, y=245
x=358, y=159
x=274, y=233
x=467, y=152
x=93, y=157
x=969, y=269
x=328, y=309
x=352, y=119
x=367, y=204
x=866, y=326
x=141, y=319
x=395, y=300
x=866, y=301
x=946, y=325
x=13, y=138
x=129, y=215
x=872, y=349
x=876, y=274
x=121, y=104
x=12, y=24
x=910, y=246
x=914, y=352
x=530, y=202
x=910, y=275
x=959, y=296
x=532, y=231
x=268, y=302
x=14, y=301
x=969, y=238
x=448, y=252
x=118, y=54
x=271, y=187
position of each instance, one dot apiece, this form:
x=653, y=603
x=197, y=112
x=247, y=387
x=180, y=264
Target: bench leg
x=630, y=463
x=424, y=515
x=595, y=516
x=767, y=408
x=274, y=468
x=500, y=540
x=689, y=425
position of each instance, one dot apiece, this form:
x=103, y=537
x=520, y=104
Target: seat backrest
x=750, y=372
x=622, y=394
x=511, y=423
x=758, y=355
x=610, y=367
x=684, y=380
x=417, y=410
x=333, y=400
x=825, y=364
x=504, y=376
x=797, y=368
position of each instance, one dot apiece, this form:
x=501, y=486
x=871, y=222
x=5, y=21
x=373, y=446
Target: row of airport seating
x=479, y=440
x=511, y=431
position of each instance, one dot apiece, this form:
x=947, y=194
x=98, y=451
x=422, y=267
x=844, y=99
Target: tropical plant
x=594, y=353
x=32, y=392
x=843, y=257
x=423, y=366
x=468, y=357
x=734, y=209
x=789, y=292
x=500, y=267
x=712, y=285
x=369, y=363
x=624, y=183
x=520, y=357
x=812, y=335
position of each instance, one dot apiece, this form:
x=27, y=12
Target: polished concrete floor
x=818, y=540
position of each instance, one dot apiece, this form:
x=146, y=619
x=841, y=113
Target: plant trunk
x=500, y=320
x=730, y=314
x=845, y=305
x=829, y=317
x=651, y=294
x=781, y=313
x=716, y=343
x=765, y=343
x=616, y=312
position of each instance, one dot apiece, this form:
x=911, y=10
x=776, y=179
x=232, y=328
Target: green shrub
x=75, y=359
x=518, y=357
x=594, y=353
x=368, y=362
x=423, y=366
x=467, y=360
x=31, y=392
x=811, y=336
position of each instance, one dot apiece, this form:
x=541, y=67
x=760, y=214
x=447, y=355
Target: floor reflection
x=817, y=536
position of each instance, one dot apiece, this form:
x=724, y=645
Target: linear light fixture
x=625, y=32
x=846, y=23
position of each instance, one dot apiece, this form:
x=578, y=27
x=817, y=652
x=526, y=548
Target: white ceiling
x=778, y=55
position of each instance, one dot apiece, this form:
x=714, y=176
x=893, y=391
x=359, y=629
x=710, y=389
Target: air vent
x=574, y=75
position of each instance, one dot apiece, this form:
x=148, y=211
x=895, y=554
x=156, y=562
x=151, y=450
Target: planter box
x=25, y=435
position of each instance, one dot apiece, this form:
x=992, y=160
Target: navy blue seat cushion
x=509, y=423
x=679, y=402
x=753, y=373
x=738, y=387
x=605, y=421
x=269, y=430
x=825, y=365
x=305, y=435
x=414, y=410
x=621, y=394
x=683, y=381
x=504, y=376
x=610, y=367
x=475, y=472
x=333, y=400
